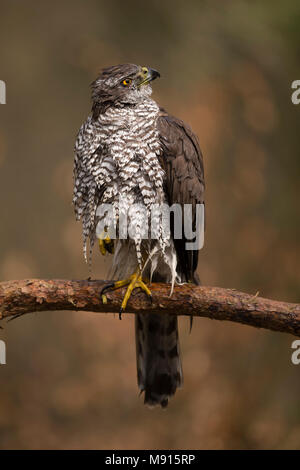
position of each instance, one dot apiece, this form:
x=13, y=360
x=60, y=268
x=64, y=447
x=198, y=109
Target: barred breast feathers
x=115, y=155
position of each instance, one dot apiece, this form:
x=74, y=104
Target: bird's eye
x=127, y=81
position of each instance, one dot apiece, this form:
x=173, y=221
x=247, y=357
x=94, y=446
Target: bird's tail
x=159, y=368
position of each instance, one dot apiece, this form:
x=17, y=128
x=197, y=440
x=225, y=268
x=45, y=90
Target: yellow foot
x=133, y=282
x=106, y=244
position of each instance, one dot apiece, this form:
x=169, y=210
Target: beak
x=151, y=75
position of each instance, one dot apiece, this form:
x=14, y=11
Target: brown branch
x=33, y=295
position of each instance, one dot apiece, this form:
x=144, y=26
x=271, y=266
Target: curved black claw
x=105, y=288
x=120, y=313
x=109, y=246
x=103, y=297
x=191, y=323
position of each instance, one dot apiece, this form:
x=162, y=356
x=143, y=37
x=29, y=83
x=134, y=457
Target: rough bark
x=33, y=295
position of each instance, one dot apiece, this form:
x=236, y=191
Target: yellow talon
x=102, y=247
x=133, y=282
x=106, y=244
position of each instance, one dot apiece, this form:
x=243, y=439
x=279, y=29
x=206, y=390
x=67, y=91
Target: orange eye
x=127, y=81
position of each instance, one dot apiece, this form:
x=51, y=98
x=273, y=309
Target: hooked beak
x=151, y=75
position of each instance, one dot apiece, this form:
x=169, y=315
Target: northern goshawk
x=131, y=159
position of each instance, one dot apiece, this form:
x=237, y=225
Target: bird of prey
x=134, y=157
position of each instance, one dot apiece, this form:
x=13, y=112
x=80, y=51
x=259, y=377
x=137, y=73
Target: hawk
x=133, y=157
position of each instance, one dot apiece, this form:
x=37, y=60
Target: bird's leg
x=106, y=244
x=132, y=282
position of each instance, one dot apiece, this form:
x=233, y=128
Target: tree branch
x=36, y=295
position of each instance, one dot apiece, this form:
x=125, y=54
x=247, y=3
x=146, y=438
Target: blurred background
x=226, y=68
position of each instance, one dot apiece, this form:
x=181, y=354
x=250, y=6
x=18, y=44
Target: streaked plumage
x=130, y=151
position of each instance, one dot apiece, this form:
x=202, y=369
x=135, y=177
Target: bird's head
x=126, y=84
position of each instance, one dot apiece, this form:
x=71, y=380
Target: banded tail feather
x=159, y=369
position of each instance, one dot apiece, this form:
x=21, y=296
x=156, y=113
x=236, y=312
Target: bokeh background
x=226, y=68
